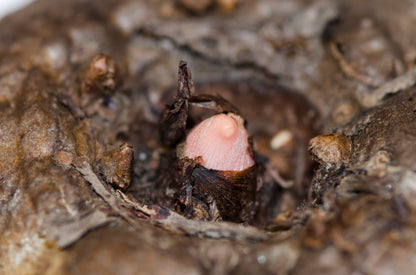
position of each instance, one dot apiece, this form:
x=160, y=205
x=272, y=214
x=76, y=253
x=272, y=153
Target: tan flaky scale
x=331, y=149
x=222, y=143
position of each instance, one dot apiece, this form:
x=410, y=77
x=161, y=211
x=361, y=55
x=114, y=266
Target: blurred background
x=7, y=6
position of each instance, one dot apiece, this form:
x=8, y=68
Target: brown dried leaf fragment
x=331, y=149
x=173, y=125
x=117, y=166
x=214, y=102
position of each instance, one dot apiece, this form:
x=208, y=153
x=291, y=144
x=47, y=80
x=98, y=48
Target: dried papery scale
x=209, y=187
x=174, y=118
x=233, y=192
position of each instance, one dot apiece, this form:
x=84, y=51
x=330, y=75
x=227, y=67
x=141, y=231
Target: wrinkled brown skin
x=360, y=217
